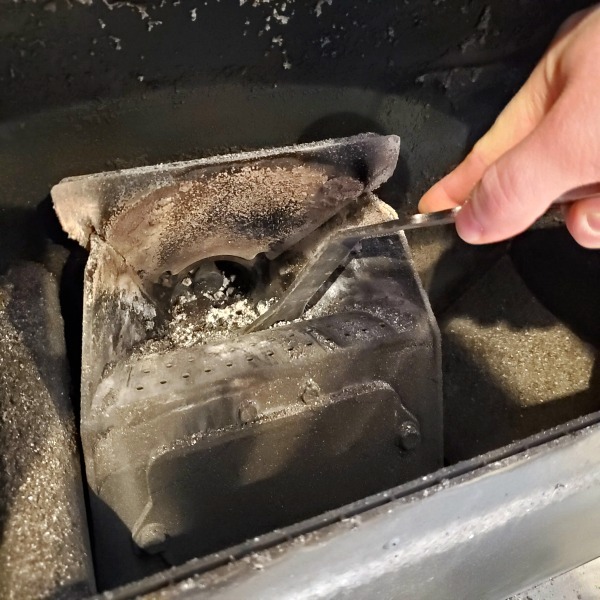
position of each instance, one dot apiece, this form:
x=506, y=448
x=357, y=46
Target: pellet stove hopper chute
x=184, y=414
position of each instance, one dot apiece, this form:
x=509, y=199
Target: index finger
x=521, y=115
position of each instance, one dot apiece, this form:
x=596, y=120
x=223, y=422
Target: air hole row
x=164, y=381
x=249, y=359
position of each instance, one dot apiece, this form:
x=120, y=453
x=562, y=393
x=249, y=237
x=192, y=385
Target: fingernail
x=468, y=227
x=593, y=220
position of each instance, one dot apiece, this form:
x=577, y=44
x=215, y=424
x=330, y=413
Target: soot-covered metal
x=192, y=426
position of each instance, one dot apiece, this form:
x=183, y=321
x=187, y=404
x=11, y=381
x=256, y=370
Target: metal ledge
x=486, y=528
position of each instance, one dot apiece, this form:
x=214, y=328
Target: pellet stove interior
x=203, y=420
x=519, y=329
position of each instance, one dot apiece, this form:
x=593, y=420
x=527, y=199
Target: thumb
x=518, y=188
x=518, y=119
x=583, y=222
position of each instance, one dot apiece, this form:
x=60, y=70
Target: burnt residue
x=88, y=49
x=164, y=218
x=238, y=211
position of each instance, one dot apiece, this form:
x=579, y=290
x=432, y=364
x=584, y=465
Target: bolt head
x=247, y=411
x=410, y=436
x=311, y=392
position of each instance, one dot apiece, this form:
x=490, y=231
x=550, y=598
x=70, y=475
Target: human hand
x=543, y=144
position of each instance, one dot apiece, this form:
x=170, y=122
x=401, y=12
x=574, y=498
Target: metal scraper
x=328, y=257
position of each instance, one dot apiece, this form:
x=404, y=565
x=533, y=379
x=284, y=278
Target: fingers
x=519, y=186
x=522, y=114
x=542, y=144
x=583, y=222
x=572, y=22
x=453, y=189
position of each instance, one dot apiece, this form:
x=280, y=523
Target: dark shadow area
x=512, y=368
x=113, y=550
x=343, y=124
x=564, y=276
x=71, y=301
x=84, y=52
x=21, y=236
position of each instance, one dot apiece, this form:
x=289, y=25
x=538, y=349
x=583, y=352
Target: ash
x=198, y=318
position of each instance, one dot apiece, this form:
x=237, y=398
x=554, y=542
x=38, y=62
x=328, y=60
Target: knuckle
x=479, y=155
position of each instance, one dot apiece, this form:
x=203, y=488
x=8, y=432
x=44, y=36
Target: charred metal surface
x=202, y=433
x=44, y=546
x=164, y=218
x=301, y=418
x=123, y=296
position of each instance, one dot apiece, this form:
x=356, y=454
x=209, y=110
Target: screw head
x=410, y=436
